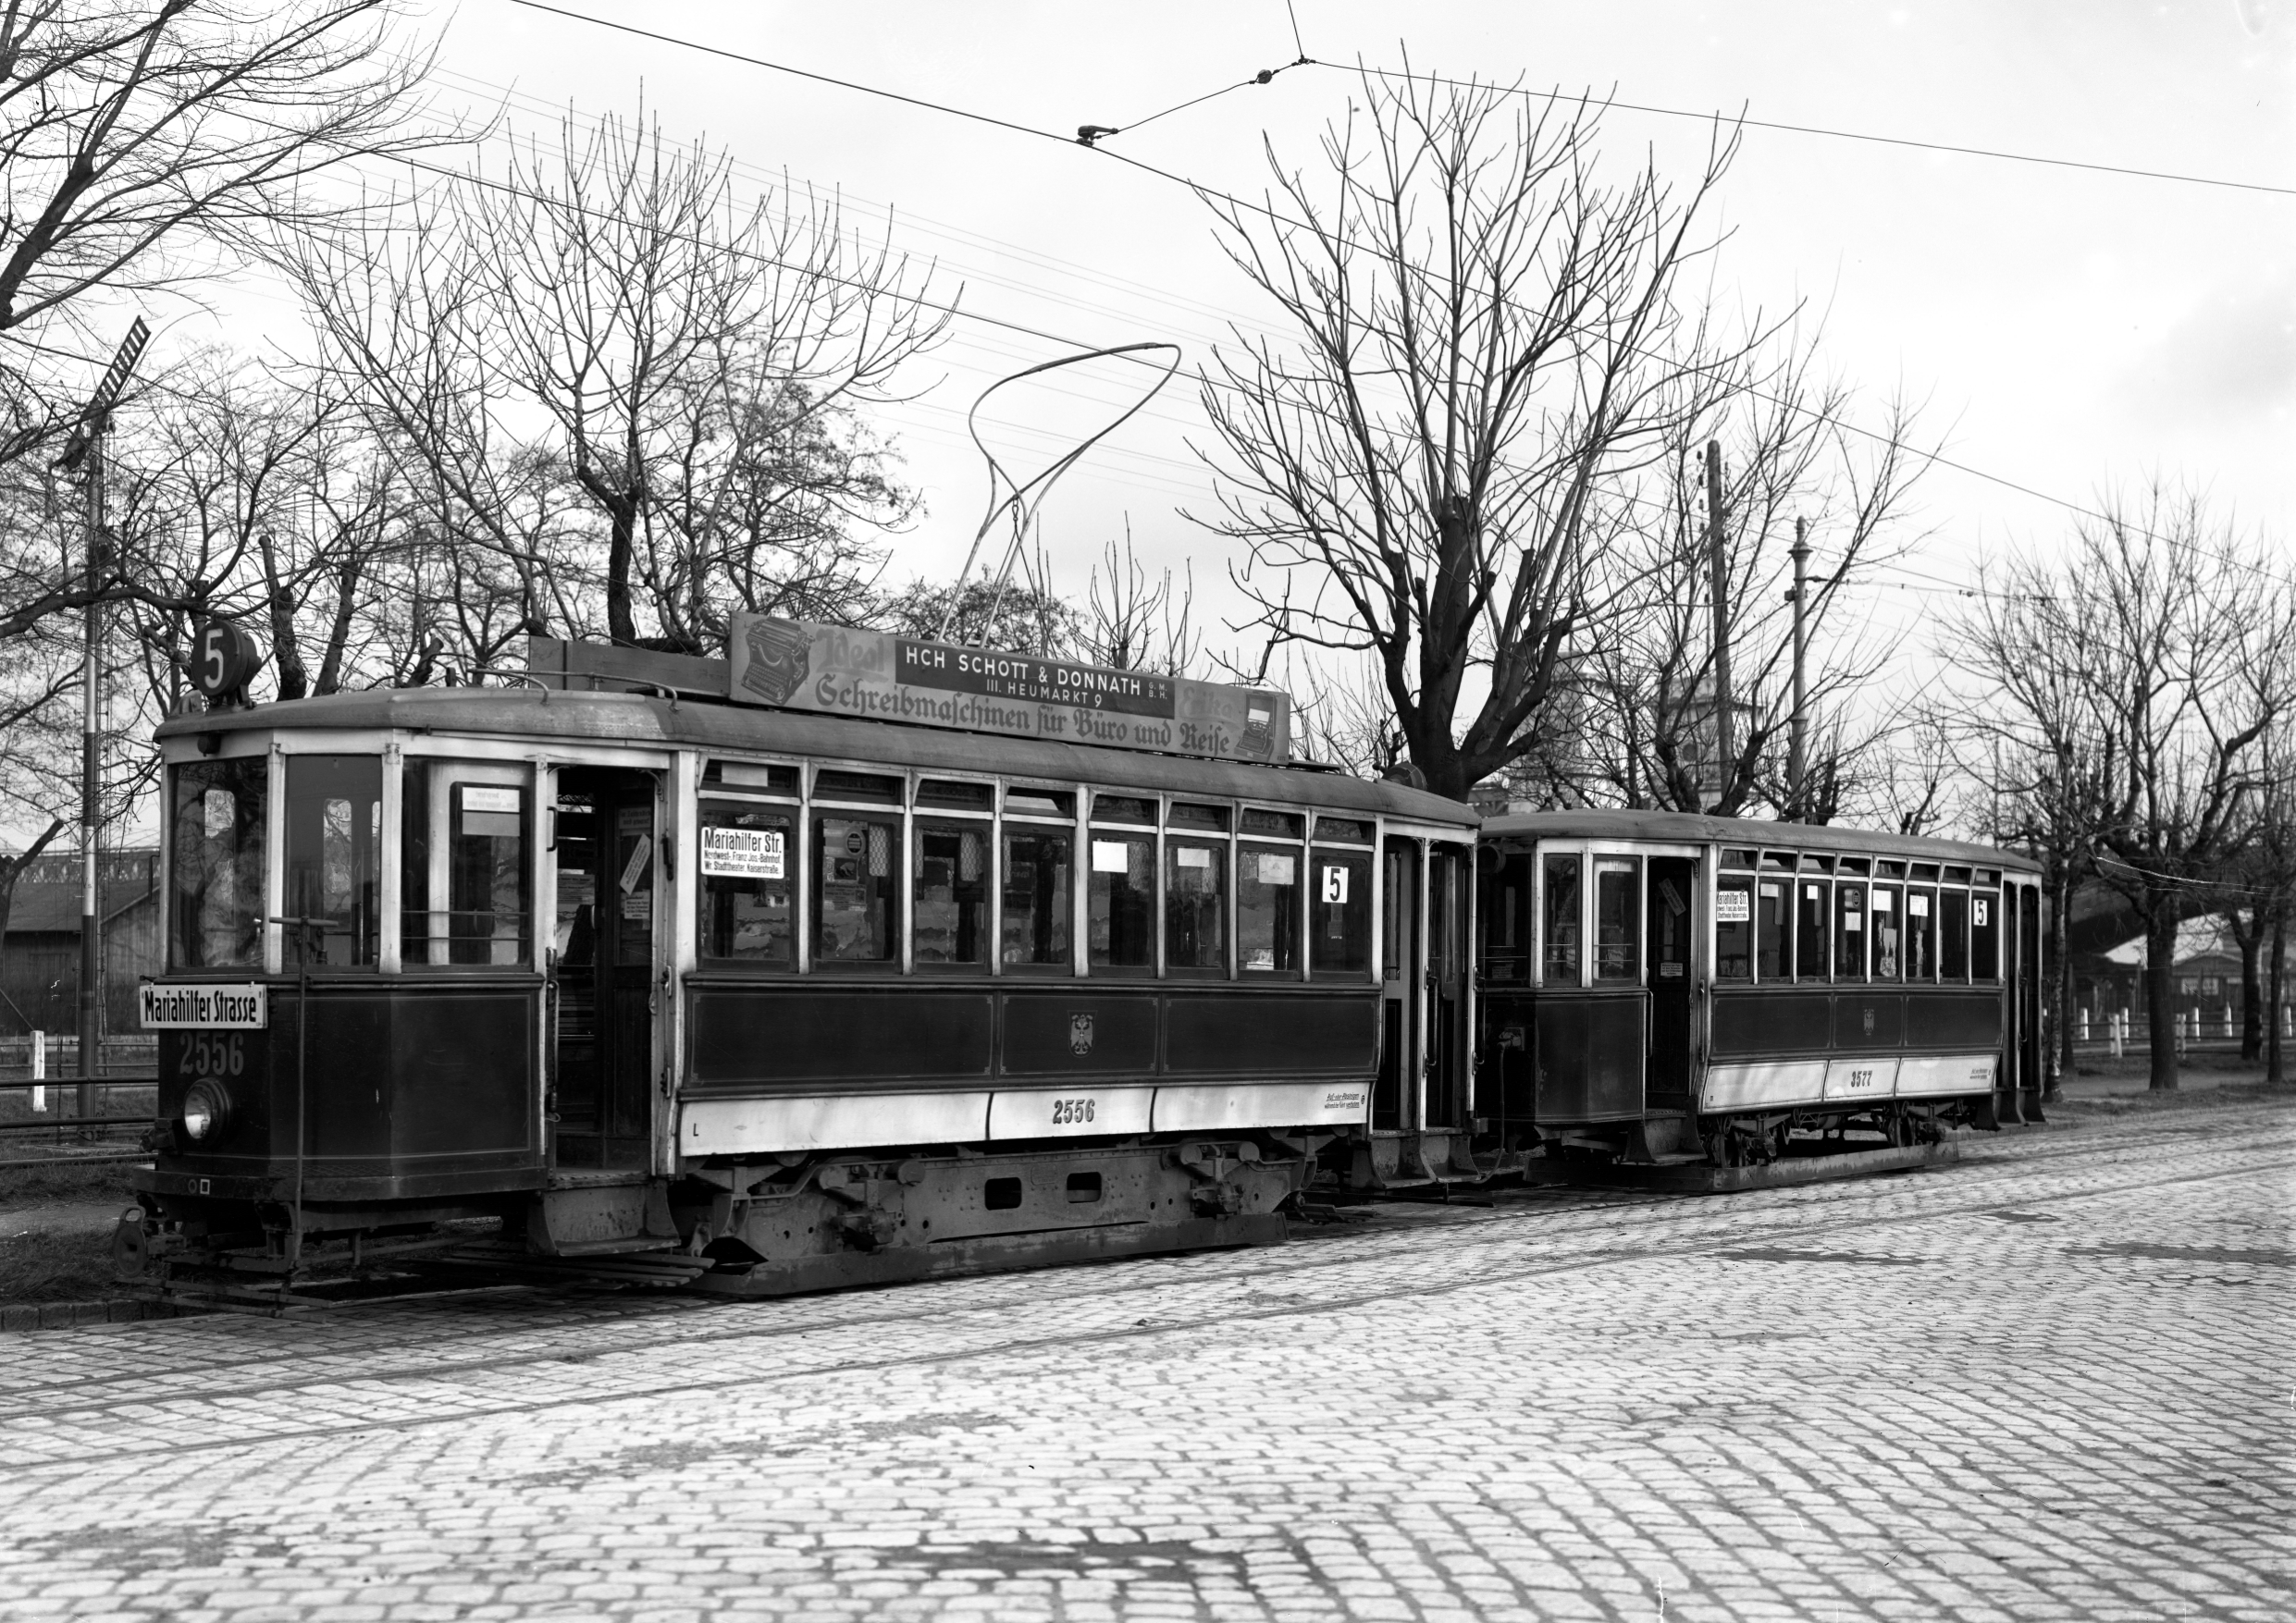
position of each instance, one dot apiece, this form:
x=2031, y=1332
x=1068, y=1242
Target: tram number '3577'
x=1069, y=1113
x=213, y=1053
x=1860, y=1080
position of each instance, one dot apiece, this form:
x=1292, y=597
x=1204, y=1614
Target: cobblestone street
x=2051, y=1381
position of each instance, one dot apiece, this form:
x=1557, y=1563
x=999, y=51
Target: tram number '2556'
x=1069, y=1113
x=213, y=1053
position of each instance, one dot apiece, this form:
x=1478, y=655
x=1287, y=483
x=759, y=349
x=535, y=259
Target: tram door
x=608, y=857
x=1670, y=899
x=1399, y=983
x=1448, y=876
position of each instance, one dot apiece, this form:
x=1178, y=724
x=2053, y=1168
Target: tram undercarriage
x=777, y=1225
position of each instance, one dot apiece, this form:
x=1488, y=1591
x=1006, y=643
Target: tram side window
x=1267, y=910
x=334, y=866
x=1888, y=940
x=464, y=892
x=216, y=862
x=1339, y=941
x=1618, y=920
x=1774, y=930
x=1195, y=906
x=949, y=901
x=1984, y=936
x=749, y=906
x=1559, y=921
x=1505, y=912
x=1920, y=935
x=1120, y=902
x=1733, y=927
x=1809, y=930
x=1036, y=896
x=1849, y=936
x=1953, y=934
x=855, y=893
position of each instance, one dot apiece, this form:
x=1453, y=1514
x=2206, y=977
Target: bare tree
x=1487, y=331
x=129, y=132
x=2127, y=691
x=1133, y=620
x=700, y=366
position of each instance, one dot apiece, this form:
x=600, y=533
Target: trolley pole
x=1726, y=757
x=1797, y=748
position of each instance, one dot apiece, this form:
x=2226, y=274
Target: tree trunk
x=2252, y=989
x=2274, y=1072
x=2160, y=984
x=2061, y=957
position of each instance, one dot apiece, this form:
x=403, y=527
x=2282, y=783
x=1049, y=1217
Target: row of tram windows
x=464, y=883
x=1149, y=885
x=1779, y=916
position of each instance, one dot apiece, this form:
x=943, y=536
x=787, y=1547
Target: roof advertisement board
x=836, y=670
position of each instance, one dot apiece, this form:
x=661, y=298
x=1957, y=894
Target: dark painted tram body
x=780, y=1000
x=1657, y=984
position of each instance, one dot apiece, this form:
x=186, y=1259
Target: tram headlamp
x=206, y=1107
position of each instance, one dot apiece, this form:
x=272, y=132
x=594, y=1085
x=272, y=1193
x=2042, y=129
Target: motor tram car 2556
x=639, y=981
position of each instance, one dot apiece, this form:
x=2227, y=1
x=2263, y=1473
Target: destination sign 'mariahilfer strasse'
x=836, y=670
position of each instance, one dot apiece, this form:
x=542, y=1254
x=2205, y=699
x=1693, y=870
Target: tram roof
x=1696, y=829
x=651, y=722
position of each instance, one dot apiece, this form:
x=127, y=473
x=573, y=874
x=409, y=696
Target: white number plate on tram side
x=240, y=1007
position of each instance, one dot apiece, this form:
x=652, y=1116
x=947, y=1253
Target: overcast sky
x=2068, y=328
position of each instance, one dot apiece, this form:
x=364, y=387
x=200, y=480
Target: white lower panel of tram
x=1844, y=1081
x=756, y=1126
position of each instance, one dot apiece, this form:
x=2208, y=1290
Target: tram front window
x=334, y=861
x=214, y=862
x=1618, y=919
x=1733, y=927
x=1559, y=924
x=949, y=904
x=1036, y=896
x=1953, y=934
x=1267, y=910
x=1809, y=930
x=1984, y=936
x=1339, y=938
x=1773, y=931
x=1195, y=906
x=1121, y=903
x=748, y=913
x=854, y=894
x=1920, y=935
x=1849, y=937
x=463, y=887
x=1887, y=963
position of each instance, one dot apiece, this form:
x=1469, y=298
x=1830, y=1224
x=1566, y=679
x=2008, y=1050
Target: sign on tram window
x=1733, y=905
x=742, y=853
x=1334, y=883
x=806, y=665
x=1277, y=869
x=1111, y=857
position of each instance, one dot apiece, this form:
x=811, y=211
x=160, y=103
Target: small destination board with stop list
x=234, y=1006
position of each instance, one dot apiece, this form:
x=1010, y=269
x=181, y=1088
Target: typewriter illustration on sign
x=778, y=655
x=1258, y=737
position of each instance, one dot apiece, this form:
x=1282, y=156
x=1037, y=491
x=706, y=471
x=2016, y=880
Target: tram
x=715, y=973
x=1659, y=986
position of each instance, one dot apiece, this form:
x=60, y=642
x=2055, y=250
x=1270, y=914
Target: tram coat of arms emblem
x=1080, y=1034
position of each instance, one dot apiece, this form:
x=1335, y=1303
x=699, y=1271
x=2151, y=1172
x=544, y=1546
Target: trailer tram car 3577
x=1658, y=986
x=761, y=999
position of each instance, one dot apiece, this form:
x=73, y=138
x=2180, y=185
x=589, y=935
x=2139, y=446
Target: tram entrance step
x=1680, y=1176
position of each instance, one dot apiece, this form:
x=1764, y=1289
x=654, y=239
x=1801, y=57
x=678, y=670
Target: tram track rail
x=1556, y=1208
x=39, y=1406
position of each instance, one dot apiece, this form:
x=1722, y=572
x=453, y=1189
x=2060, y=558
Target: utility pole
x=85, y=453
x=1797, y=748
x=1725, y=756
